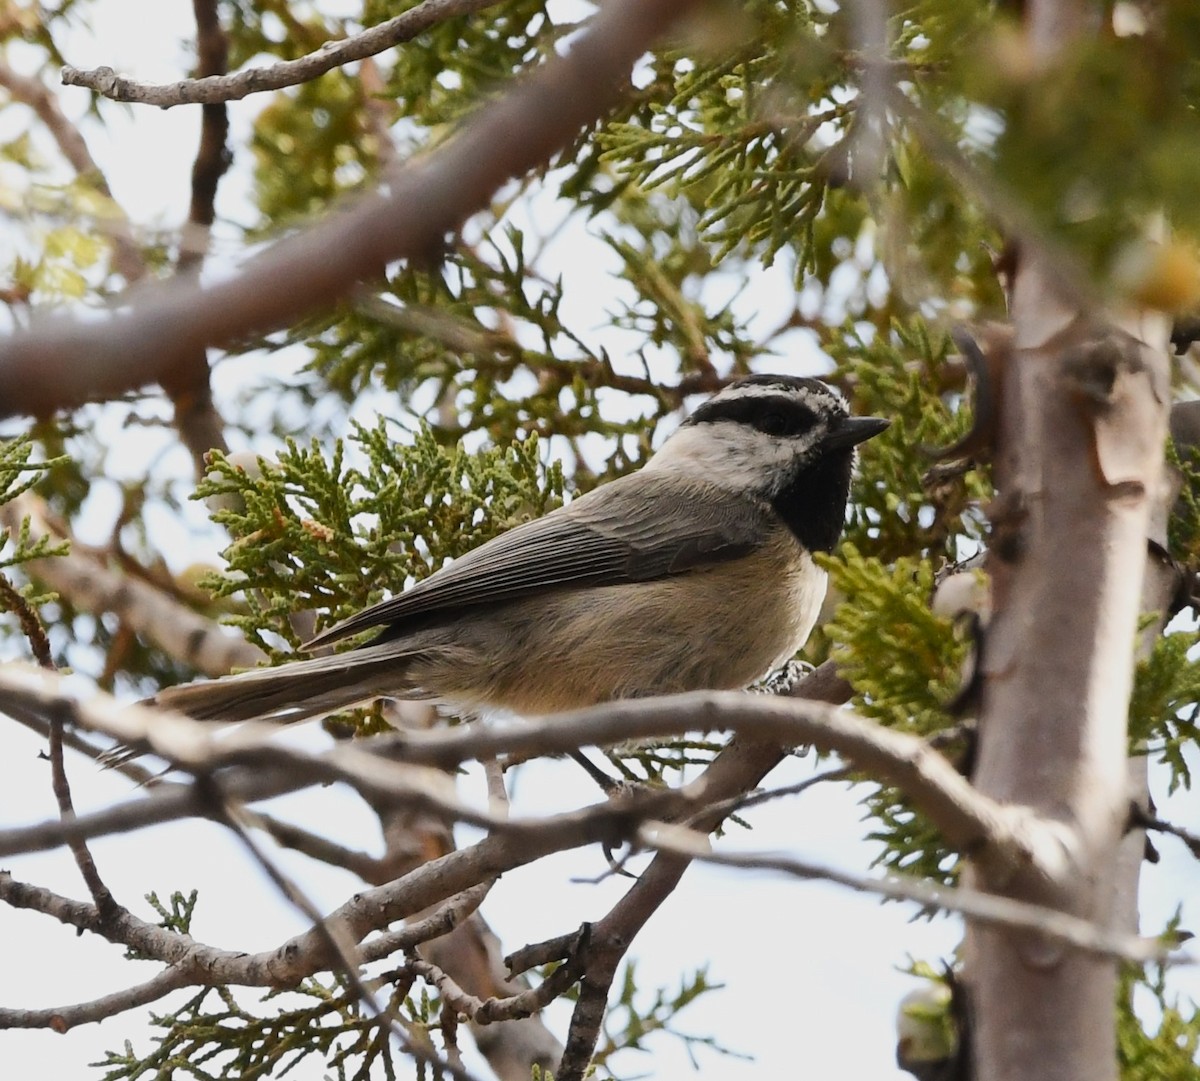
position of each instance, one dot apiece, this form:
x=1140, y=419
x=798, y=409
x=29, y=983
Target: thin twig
x=984, y=908
x=1144, y=820
x=491, y=1010
x=754, y=799
x=127, y=256
x=316, y=847
x=106, y=904
x=332, y=54
x=343, y=947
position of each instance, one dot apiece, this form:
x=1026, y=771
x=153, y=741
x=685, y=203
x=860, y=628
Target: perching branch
x=214, y=89
x=996, y=836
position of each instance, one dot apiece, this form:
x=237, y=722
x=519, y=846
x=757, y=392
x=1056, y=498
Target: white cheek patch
x=733, y=455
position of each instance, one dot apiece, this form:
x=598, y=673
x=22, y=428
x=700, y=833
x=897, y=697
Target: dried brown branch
x=91, y=586
x=61, y=362
x=189, y=384
x=214, y=89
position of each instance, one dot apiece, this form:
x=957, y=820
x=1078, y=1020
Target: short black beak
x=855, y=430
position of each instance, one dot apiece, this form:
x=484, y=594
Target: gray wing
x=633, y=529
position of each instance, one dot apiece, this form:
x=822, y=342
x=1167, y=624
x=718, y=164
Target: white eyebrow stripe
x=781, y=390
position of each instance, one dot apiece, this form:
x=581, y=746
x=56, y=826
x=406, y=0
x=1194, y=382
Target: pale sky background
x=810, y=970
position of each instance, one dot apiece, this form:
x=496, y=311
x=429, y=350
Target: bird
x=695, y=572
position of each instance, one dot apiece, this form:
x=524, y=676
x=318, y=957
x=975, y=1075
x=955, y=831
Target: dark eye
x=774, y=422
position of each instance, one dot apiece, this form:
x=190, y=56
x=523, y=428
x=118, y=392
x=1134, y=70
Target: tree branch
x=61, y=362
x=1000, y=836
x=127, y=257
x=91, y=586
x=214, y=89
x=64, y=1018
x=492, y=1010
x=996, y=836
x=189, y=383
x=983, y=908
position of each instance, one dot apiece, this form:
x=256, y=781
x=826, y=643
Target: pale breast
x=718, y=628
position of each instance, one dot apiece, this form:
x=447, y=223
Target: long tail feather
x=296, y=691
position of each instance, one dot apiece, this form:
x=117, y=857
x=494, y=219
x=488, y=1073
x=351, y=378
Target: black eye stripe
x=775, y=414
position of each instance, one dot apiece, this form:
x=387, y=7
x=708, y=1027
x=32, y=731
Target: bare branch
x=92, y=587
x=441, y=921
x=989, y=830
x=127, y=257
x=214, y=89
x=983, y=908
x=64, y=1018
x=316, y=847
x=62, y=362
x=489, y=1011
x=189, y=384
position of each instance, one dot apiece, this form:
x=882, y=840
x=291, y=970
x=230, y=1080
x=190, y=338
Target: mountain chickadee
x=693, y=573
